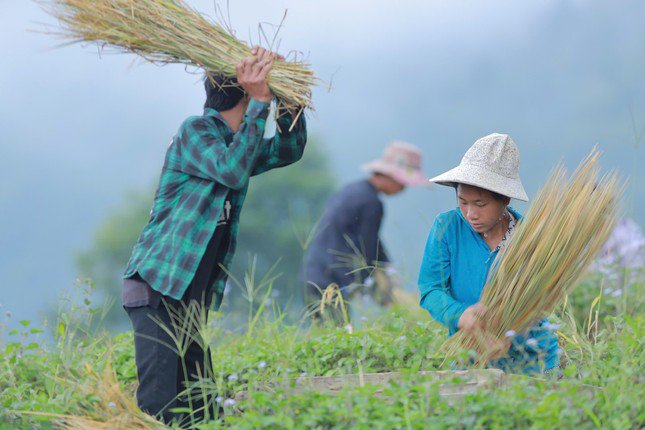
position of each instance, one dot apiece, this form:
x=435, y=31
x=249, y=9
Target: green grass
x=602, y=385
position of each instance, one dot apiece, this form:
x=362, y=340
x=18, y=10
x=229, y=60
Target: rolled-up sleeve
x=286, y=147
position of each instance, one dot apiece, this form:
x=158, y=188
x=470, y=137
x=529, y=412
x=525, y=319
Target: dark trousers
x=169, y=358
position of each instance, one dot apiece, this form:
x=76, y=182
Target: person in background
x=347, y=249
x=177, y=270
x=463, y=244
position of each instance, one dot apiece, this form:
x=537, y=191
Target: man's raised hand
x=252, y=74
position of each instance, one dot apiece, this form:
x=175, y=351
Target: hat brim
x=408, y=178
x=480, y=177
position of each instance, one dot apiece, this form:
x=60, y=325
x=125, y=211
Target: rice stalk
x=546, y=257
x=170, y=31
x=114, y=410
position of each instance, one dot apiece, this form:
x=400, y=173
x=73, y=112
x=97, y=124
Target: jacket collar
x=212, y=113
x=515, y=213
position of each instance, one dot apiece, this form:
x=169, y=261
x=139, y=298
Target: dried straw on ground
x=563, y=231
x=112, y=408
x=169, y=31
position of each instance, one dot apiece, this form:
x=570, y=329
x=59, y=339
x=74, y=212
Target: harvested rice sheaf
x=169, y=31
x=563, y=231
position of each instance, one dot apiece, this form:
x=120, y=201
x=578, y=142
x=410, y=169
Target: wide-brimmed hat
x=402, y=162
x=492, y=163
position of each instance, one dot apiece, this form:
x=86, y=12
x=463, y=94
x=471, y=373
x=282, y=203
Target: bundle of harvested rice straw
x=110, y=407
x=547, y=255
x=169, y=31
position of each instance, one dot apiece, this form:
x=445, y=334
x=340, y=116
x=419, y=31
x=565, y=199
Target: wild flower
x=531, y=342
x=262, y=364
x=551, y=326
x=510, y=333
x=228, y=403
x=232, y=377
x=622, y=254
x=617, y=293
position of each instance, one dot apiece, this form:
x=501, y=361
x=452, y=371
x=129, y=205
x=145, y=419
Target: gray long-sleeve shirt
x=347, y=238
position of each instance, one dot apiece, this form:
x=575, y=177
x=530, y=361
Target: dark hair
x=222, y=93
x=497, y=196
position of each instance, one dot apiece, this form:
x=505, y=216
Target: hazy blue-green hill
x=77, y=131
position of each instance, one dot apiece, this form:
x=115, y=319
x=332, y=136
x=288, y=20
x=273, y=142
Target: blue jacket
x=350, y=224
x=453, y=273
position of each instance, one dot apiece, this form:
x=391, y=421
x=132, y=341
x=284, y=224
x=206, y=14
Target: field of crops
x=81, y=380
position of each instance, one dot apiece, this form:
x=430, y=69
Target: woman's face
x=479, y=207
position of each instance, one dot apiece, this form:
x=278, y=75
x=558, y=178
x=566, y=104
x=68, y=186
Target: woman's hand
x=471, y=319
x=473, y=322
x=492, y=347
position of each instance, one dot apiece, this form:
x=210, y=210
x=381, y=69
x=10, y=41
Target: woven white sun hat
x=492, y=163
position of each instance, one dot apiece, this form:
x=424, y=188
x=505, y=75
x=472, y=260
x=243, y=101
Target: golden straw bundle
x=112, y=408
x=547, y=255
x=169, y=31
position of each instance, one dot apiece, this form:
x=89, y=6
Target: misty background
x=82, y=133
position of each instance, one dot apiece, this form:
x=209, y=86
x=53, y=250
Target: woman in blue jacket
x=463, y=244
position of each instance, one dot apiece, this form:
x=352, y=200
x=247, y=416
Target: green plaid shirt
x=206, y=164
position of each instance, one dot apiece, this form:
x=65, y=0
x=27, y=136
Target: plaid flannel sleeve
x=203, y=151
x=285, y=148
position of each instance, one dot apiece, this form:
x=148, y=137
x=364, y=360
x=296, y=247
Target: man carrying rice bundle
x=463, y=244
x=177, y=268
